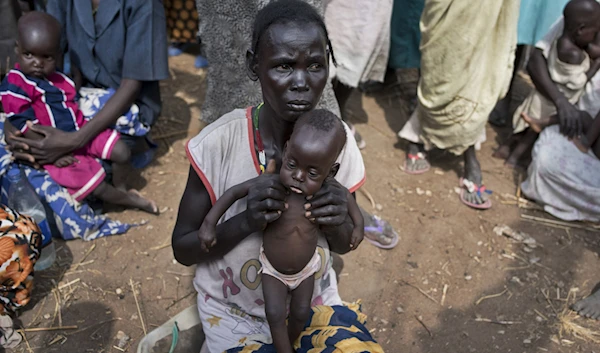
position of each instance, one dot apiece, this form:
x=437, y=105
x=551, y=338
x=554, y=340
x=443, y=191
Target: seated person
x=570, y=68
x=36, y=93
x=289, y=255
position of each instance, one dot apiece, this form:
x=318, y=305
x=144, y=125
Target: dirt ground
x=443, y=245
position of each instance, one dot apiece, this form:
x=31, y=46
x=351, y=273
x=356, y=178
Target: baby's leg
x=300, y=308
x=538, y=125
x=133, y=199
x=275, y=293
x=120, y=156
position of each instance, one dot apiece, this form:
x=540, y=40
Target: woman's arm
x=568, y=115
x=265, y=202
x=118, y=104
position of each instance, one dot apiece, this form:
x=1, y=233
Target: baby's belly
x=290, y=242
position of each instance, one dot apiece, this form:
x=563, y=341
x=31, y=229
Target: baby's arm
x=208, y=230
x=359, y=223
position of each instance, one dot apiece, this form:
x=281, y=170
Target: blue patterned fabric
x=339, y=329
x=74, y=220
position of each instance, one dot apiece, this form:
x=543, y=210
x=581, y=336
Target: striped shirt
x=49, y=102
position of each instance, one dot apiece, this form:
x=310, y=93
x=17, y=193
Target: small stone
x=501, y=332
x=47, y=316
x=385, y=322
x=379, y=207
x=399, y=310
x=527, y=341
x=479, y=243
x=468, y=277
x=420, y=191
x=119, y=292
x=426, y=282
x=134, y=317
x=122, y=338
x=174, y=262
x=158, y=297
x=428, y=193
x=150, y=227
x=539, y=319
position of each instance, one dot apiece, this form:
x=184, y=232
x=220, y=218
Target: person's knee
x=300, y=312
x=275, y=313
x=100, y=189
x=120, y=153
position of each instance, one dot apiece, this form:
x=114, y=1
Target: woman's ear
x=334, y=170
x=251, y=65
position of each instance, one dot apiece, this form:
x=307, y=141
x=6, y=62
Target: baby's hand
x=357, y=236
x=65, y=161
x=208, y=237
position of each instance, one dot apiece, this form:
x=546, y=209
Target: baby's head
x=311, y=153
x=38, y=44
x=582, y=21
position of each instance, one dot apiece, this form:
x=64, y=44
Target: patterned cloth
x=182, y=20
x=74, y=220
x=339, y=329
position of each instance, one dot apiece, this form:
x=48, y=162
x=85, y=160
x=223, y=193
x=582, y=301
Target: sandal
x=468, y=186
x=381, y=239
x=413, y=158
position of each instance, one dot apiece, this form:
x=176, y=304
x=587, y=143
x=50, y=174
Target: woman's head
x=290, y=56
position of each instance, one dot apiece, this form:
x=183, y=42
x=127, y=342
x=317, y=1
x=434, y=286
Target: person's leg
x=472, y=173
x=275, y=294
x=120, y=156
x=342, y=93
x=416, y=160
x=538, y=125
x=500, y=115
x=133, y=199
x=524, y=144
x=589, y=307
x=300, y=308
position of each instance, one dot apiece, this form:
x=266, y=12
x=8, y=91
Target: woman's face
x=292, y=67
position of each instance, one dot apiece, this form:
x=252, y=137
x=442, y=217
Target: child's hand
x=65, y=161
x=357, y=237
x=208, y=237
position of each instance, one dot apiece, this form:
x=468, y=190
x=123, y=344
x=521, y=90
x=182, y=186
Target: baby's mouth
x=296, y=190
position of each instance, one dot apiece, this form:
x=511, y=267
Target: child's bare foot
x=143, y=203
x=536, y=125
x=589, y=307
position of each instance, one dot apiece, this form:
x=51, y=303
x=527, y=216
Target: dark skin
x=292, y=67
x=37, y=51
x=290, y=241
x=56, y=143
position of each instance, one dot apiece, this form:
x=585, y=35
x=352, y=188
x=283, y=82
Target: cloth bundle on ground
x=360, y=36
x=342, y=327
x=467, y=56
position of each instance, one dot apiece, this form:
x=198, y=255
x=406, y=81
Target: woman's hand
x=329, y=206
x=18, y=149
x=54, y=144
x=569, y=117
x=266, y=199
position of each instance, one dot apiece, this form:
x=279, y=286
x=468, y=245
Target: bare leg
x=109, y=193
x=500, y=115
x=473, y=174
x=589, y=307
x=120, y=156
x=300, y=308
x=525, y=143
x=538, y=125
x=342, y=93
x=275, y=293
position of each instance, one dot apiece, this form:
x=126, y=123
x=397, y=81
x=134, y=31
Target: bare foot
x=536, y=125
x=473, y=174
x=502, y=152
x=589, y=307
x=143, y=203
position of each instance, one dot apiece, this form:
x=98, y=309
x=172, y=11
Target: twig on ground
x=422, y=291
x=368, y=195
x=44, y=329
x=116, y=252
x=540, y=314
x=424, y=326
x=70, y=283
x=181, y=274
x=138, y=306
x=444, y=292
x=87, y=253
x=57, y=305
x=91, y=326
x=560, y=224
x=180, y=299
x=27, y=342
x=159, y=247
x=491, y=296
x=119, y=348
x=497, y=322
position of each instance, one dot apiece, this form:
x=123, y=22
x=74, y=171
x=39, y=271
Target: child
x=289, y=254
x=36, y=93
x=570, y=67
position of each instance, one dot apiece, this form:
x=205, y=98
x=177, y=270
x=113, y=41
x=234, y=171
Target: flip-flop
x=469, y=186
x=379, y=230
x=413, y=158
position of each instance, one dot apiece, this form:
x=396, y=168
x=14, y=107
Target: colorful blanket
x=330, y=329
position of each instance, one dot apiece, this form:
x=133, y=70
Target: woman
x=182, y=28
x=118, y=51
x=562, y=178
x=289, y=57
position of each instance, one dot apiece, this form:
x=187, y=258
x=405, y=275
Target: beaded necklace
x=262, y=158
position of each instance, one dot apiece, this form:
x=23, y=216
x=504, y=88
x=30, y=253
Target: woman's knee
x=120, y=153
